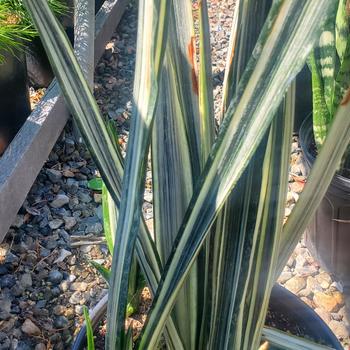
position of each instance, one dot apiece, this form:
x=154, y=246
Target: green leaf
x=274, y=63
x=95, y=184
x=321, y=114
x=104, y=272
x=342, y=30
x=327, y=62
x=16, y=27
x=89, y=330
x=128, y=341
x=110, y=215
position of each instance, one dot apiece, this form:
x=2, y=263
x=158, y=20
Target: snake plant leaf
x=172, y=187
x=275, y=62
x=279, y=340
x=342, y=30
x=232, y=233
x=247, y=21
x=233, y=226
x=327, y=62
x=342, y=81
x=321, y=113
x=171, y=152
x=89, y=330
x=129, y=340
x=188, y=76
x=152, y=28
x=205, y=88
x=268, y=229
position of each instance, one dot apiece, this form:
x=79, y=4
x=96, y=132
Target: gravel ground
x=45, y=277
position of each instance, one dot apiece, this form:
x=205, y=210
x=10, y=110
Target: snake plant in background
x=16, y=27
x=330, y=68
x=219, y=241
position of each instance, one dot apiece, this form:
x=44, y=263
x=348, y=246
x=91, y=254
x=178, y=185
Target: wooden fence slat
x=29, y=150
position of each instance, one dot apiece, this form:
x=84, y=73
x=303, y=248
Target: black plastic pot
x=328, y=234
x=14, y=97
x=282, y=303
x=288, y=305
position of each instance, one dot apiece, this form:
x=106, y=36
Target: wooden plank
x=29, y=150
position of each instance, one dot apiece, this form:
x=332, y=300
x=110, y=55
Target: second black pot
x=14, y=96
x=328, y=234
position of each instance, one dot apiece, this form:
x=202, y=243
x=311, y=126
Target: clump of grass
x=16, y=27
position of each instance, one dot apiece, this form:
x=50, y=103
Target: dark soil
x=284, y=323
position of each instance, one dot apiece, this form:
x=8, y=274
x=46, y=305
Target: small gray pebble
x=61, y=322
x=23, y=346
x=64, y=286
x=55, y=292
x=84, y=197
x=59, y=201
x=55, y=277
x=7, y=281
x=26, y=280
x=40, y=304
x=54, y=175
x=56, y=223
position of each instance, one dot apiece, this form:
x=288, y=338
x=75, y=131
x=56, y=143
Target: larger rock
x=70, y=222
x=84, y=197
x=296, y=284
x=5, y=308
x=78, y=286
x=7, y=281
x=324, y=280
x=55, y=276
x=40, y=346
x=285, y=276
x=54, y=175
x=30, y=328
x=313, y=285
x=55, y=224
x=59, y=201
x=61, y=322
x=26, y=280
x=330, y=302
x=77, y=298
